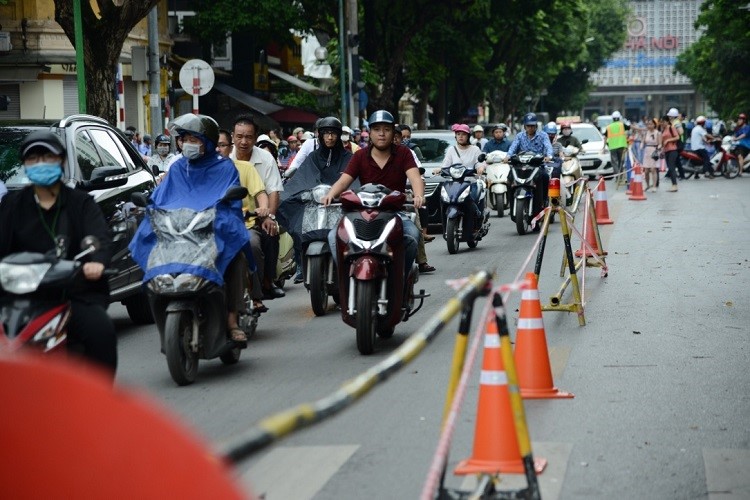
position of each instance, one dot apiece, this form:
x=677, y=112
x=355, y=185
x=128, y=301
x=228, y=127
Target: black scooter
x=524, y=177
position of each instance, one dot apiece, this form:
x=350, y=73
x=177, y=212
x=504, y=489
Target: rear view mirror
x=235, y=193
x=105, y=178
x=139, y=199
x=584, y=141
x=481, y=157
x=90, y=242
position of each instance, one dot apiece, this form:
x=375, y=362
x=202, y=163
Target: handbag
x=655, y=155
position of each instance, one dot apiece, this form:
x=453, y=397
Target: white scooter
x=571, y=172
x=497, y=172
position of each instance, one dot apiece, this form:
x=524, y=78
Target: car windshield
x=433, y=148
x=11, y=172
x=590, y=133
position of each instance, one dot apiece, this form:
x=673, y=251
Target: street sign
x=197, y=79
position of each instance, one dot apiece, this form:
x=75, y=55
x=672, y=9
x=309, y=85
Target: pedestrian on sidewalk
x=651, y=153
x=669, y=138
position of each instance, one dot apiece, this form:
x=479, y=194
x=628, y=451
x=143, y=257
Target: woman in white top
x=651, y=147
x=463, y=152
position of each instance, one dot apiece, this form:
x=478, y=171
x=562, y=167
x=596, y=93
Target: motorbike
x=319, y=268
x=462, y=202
x=722, y=161
x=730, y=144
x=34, y=312
x=190, y=311
x=527, y=167
x=498, y=172
x=286, y=266
x=571, y=172
x=371, y=251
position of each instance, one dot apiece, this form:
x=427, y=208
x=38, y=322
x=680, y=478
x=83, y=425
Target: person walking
x=651, y=154
x=617, y=141
x=669, y=138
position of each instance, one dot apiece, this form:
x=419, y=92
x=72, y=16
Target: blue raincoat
x=188, y=201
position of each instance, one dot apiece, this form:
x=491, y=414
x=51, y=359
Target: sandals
x=237, y=335
x=428, y=238
x=425, y=268
x=259, y=307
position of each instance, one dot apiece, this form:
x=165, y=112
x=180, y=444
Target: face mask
x=191, y=151
x=44, y=174
x=163, y=150
x=567, y=132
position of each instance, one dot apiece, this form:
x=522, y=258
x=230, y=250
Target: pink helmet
x=461, y=127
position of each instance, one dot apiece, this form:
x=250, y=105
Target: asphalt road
x=659, y=372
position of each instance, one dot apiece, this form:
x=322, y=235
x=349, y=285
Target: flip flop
x=260, y=308
x=237, y=335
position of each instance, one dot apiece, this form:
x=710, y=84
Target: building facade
x=639, y=80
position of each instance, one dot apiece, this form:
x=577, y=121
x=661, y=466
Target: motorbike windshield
x=184, y=240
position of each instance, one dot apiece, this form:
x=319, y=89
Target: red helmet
x=565, y=125
x=461, y=127
x=742, y=116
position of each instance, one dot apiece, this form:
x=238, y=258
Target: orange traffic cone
x=637, y=183
x=591, y=238
x=601, y=206
x=532, y=358
x=495, y=439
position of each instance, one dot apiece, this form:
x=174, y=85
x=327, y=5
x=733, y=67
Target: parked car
x=595, y=158
x=97, y=155
x=433, y=144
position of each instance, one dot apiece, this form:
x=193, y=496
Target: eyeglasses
x=329, y=132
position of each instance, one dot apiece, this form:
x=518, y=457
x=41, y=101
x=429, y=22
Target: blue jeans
x=411, y=237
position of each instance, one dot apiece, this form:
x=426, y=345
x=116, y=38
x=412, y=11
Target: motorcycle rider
x=742, y=136
x=406, y=141
x=386, y=163
x=463, y=152
x=244, y=136
x=566, y=137
x=699, y=137
x=47, y=215
x=617, y=140
x=196, y=181
x=162, y=158
x=535, y=141
x=499, y=141
x=346, y=138
x=478, y=139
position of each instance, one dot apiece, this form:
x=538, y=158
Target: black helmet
x=330, y=123
x=42, y=139
x=381, y=116
x=162, y=139
x=198, y=125
x=530, y=119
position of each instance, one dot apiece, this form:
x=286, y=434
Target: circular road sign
x=196, y=77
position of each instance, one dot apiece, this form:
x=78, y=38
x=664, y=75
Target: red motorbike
x=722, y=162
x=34, y=311
x=370, y=249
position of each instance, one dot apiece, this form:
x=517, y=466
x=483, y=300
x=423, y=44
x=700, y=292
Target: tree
x=717, y=63
x=104, y=34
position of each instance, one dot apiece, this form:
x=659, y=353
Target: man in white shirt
x=244, y=136
x=699, y=137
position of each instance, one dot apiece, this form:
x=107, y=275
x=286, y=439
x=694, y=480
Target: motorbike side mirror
x=139, y=199
x=422, y=170
x=584, y=141
x=90, y=242
x=235, y=193
x=481, y=157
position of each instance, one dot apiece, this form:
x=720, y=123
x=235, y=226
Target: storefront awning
x=248, y=100
x=297, y=82
x=294, y=116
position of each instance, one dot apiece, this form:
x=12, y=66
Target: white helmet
x=616, y=115
x=673, y=113
x=478, y=128
x=700, y=119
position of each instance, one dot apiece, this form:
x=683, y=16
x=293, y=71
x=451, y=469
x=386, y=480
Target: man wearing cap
x=617, y=140
x=346, y=139
x=145, y=146
x=48, y=215
x=386, y=163
x=477, y=137
x=498, y=142
x=699, y=137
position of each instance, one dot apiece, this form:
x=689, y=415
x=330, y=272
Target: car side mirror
x=584, y=141
x=105, y=178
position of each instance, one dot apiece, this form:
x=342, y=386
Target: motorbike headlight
x=444, y=194
x=187, y=282
x=457, y=172
x=18, y=279
x=463, y=195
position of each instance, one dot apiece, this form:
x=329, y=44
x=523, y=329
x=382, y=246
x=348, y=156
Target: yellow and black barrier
x=276, y=426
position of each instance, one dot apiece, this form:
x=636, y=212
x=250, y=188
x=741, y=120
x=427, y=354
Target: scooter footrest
x=421, y=295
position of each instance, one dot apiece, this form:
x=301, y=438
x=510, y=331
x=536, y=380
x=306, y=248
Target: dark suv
x=104, y=163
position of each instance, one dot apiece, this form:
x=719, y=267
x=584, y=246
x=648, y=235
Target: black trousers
x=92, y=333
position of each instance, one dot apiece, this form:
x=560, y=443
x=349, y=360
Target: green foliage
x=718, y=62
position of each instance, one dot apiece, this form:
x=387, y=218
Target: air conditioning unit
x=5, y=45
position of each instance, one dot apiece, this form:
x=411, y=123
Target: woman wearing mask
x=47, y=215
x=162, y=158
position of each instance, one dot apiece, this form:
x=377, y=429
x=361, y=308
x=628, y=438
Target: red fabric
x=668, y=134
x=392, y=175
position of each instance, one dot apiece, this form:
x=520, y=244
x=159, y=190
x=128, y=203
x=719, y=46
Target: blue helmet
x=550, y=128
x=381, y=116
x=529, y=119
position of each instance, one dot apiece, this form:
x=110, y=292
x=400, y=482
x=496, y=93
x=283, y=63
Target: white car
x=595, y=158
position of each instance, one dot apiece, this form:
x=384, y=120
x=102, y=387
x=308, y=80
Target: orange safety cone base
x=473, y=466
x=545, y=393
x=604, y=222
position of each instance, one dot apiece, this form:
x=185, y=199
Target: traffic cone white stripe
x=600, y=196
x=493, y=378
x=530, y=295
x=492, y=341
x=530, y=323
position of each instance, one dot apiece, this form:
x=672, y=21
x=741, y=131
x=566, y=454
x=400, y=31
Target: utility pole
x=342, y=62
x=80, y=67
x=154, y=74
x=354, y=69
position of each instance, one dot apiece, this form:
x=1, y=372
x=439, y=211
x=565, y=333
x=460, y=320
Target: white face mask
x=162, y=150
x=191, y=151
x=567, y=132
